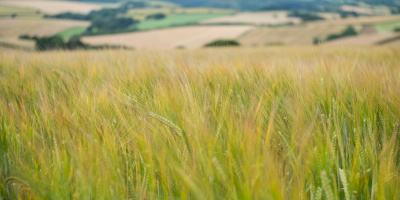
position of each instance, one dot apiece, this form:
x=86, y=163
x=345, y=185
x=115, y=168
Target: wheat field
x=232, y=123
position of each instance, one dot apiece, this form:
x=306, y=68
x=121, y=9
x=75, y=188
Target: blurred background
x=184, y=24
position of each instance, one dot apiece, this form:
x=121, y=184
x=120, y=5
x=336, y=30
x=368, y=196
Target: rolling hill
x=273, y=4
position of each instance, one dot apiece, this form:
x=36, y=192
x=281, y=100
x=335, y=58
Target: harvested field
x=14, y=41
x=55, y=7
x=7, y=11
x=361, y=20
x=11, y=29
x=365, y=11
x=261, y=18
x=304, y=34
x=289, y=35
x=188, y=37
x=364, y=39
x=39, y=27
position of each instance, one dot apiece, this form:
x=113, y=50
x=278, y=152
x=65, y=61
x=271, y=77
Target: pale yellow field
x=289, y=35
x=39, y=27
x=11, y=29
x=304, y=34
x=258, y=18
x=365, y=11
x=365, y=39
x=6, y=11
x=55, y=7
x=16, y=42
x=188, y=37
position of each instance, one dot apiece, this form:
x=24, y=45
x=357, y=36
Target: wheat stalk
x=326, y=186
x=345, y=184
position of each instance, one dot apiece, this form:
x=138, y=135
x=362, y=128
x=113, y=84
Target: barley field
x=231, y=123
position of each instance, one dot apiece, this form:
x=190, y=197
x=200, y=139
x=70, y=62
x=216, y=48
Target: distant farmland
x=7, y=11
x=303, y=34
x=55, y=7
x=261, y=18
x=188, y=37
x=177, y=20
x=11, y=29
x=141, y=14
x=366, y=39
x=48, y=27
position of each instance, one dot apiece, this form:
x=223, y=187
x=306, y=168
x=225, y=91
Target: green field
x=7, y=11
x=177, y=20
x=71, y=32
x=387, y=27
x=140, y=14
x=231, y=123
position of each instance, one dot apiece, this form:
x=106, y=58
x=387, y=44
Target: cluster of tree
x=57, y=43
x=156, y=16
x=349, y=31
x=110, y=25
x=103, y=13
x=69, y=15
x=222, y=43
x=395, y=9
x=305, y=16
x=347, y=14
x=27, y=37
x=106, y=20
x=317, y=6
x=397, y=29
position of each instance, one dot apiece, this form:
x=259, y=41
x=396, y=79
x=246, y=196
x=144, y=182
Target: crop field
x=177, y=20
x=55, y=7
x=367, y=10
x=7, y=11
x=290, y=35
x=186, y=37
x=11, y=29
x=39, y=27
x=387, y=27
x=71, y=32
x=367, y=39
x=303, y=34
x=232, y=123
x=140, y=14
x=15, y=42
x=261, y=18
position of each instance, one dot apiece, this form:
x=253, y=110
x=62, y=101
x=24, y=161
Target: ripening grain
x=305, y=123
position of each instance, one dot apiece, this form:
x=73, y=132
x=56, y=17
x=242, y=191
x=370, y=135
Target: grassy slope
x=206, y=124
x=177, y=20
x=71, y=32
x=141, y=14
x=387, y=27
